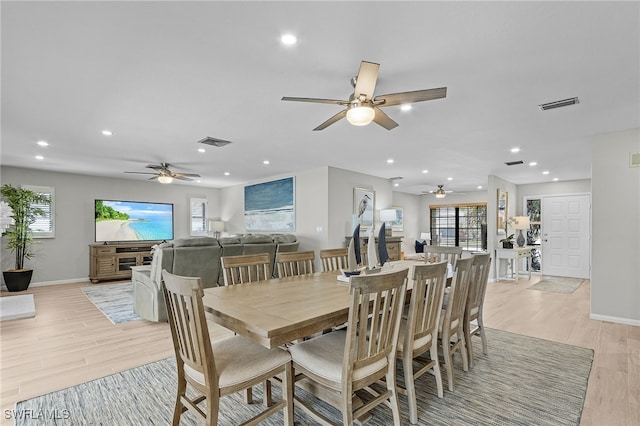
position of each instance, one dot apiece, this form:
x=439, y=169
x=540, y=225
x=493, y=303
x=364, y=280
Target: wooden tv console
x=113, y=261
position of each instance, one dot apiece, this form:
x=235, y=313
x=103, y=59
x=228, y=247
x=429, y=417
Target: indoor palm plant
x=24, y=206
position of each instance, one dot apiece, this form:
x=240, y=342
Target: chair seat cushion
x=324, y=356
x=416, y=344
x=239, y=359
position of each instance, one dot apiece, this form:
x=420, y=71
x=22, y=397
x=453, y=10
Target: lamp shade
x=387, y=215
x=216, y=225
x=360, y=115
x=425, y=236
x=520, y=222
x=165, y=179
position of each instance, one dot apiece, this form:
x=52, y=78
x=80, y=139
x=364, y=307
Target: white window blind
x=198, y=216
x=44, y=226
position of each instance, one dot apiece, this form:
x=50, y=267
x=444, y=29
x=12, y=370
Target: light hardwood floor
x=71, y=342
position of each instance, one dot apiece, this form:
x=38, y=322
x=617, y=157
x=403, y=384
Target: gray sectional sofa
x=197, y=257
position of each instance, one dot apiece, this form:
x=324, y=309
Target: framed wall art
x=270, y=206
x=502, y=211
x=398, y=224
x=363, y=207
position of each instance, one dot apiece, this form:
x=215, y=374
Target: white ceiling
x=163, y=75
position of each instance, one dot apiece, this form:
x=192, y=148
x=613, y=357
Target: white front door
x=566, y=236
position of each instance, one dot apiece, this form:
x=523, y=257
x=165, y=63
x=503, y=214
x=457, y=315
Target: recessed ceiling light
x=390, y=161
x=265, y=162
x=406, y=107
x=39, y=157
x=289, y=39
x=198, y=181
x=479, y=186
x=514, y=150
x=227, y=173
x=546, y=172
x=533, y=163
x=107, y=132
x=396, y=184
x=449, y=178
x=202, y=150
x=43, y=143
x=425, y=171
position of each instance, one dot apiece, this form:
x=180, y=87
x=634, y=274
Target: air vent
x=559, y=104
x=514, y=163
x=214, y=142
x=634, y=159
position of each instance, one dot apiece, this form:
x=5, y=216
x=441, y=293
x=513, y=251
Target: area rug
x=522, y=381
x=14, y=307
x=115, y=301
x=564, y=285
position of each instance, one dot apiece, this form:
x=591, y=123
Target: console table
x=114, y=261
x=513, y=256
x=393, y=246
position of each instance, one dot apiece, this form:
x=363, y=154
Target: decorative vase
x=17, y=280
x=520, y=240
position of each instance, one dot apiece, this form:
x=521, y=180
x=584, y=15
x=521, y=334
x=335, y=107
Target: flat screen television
x=122, y=221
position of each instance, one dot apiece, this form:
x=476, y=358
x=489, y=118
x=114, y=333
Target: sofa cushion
x=256, y=239
x=195, y=242
x=283, y=238
x=420, y=246
x=228, y=241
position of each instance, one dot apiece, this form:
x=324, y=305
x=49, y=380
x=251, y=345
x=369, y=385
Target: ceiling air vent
x=214, y=142
x=514, y=163
x=559, y=104
x=634, y=159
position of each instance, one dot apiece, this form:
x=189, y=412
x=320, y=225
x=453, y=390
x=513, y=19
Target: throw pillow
x=420, y=246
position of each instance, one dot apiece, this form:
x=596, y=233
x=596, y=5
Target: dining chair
x=473, y=324
x=419, y=331
x=334, y=259
x=214, y=370
x=339, y=363
x=450, y=329
x=440, y=253
x=295, y=263
x=246, y=268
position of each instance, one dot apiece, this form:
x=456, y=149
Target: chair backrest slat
x=334, y=259
x=440, y=253
x=295, y=263
x=246, y=268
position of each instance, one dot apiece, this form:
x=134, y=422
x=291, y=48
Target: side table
x=513, y=256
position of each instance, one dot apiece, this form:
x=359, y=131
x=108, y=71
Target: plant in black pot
x=24, y=206
x=508, y=242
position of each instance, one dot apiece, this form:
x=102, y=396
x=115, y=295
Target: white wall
x=411, y=220
x=66, y=257
x=615, y=198
x=569, y=187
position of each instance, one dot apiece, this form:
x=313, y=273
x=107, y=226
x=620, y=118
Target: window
x=44, y=226
x=463, y=225
x=198, y=217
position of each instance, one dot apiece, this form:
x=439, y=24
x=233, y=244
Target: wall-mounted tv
x=117, y=220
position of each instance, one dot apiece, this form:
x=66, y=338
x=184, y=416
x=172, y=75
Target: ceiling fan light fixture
x=360, y=115
x=165, y=179
x=440, y=193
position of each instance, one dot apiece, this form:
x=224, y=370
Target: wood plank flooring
x=70, y=342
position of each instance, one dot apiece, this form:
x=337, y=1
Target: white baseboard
x=57, y=282
x=618, y=320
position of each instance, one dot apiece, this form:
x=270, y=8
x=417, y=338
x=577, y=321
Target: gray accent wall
x=615, y=275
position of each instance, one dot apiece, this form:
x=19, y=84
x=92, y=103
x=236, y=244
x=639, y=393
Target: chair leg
x=392, y=388
x=436, y=369
x=213, y=407
x=467, y=340
x=266, y=400
x=448, y=360
x=248, y=396
x=287, y=391
x=178, y=409
x=410, y=386
x=482, y=335
x=463, y=349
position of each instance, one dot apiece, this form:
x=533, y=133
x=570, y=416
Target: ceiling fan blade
x=154, y=177
x=181, y=177
x=178, y=175
x=162, y=166
x=411, y=97
x=315, y=100
x=384, y=120
x=366, y=80
x=342, y=114
x=142, y=173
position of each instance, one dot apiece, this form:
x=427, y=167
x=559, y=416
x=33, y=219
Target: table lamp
x=387, y=216
x=520, y=223
x=216, y=226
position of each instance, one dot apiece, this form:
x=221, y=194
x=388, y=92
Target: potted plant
x=23, y=203
x=507, y=242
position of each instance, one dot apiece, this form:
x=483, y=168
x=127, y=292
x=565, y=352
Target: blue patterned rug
x=522, y=381
x=115, y=301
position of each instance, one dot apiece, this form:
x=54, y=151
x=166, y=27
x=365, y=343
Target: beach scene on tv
x=133, y=221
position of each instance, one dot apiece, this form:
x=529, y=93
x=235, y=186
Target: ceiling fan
x=440, y=192
x=362, y=107
x=164, y=175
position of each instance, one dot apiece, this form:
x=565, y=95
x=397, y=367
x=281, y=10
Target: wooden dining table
x=282, y=310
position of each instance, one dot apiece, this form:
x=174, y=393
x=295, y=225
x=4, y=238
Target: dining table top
x=281, y=310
